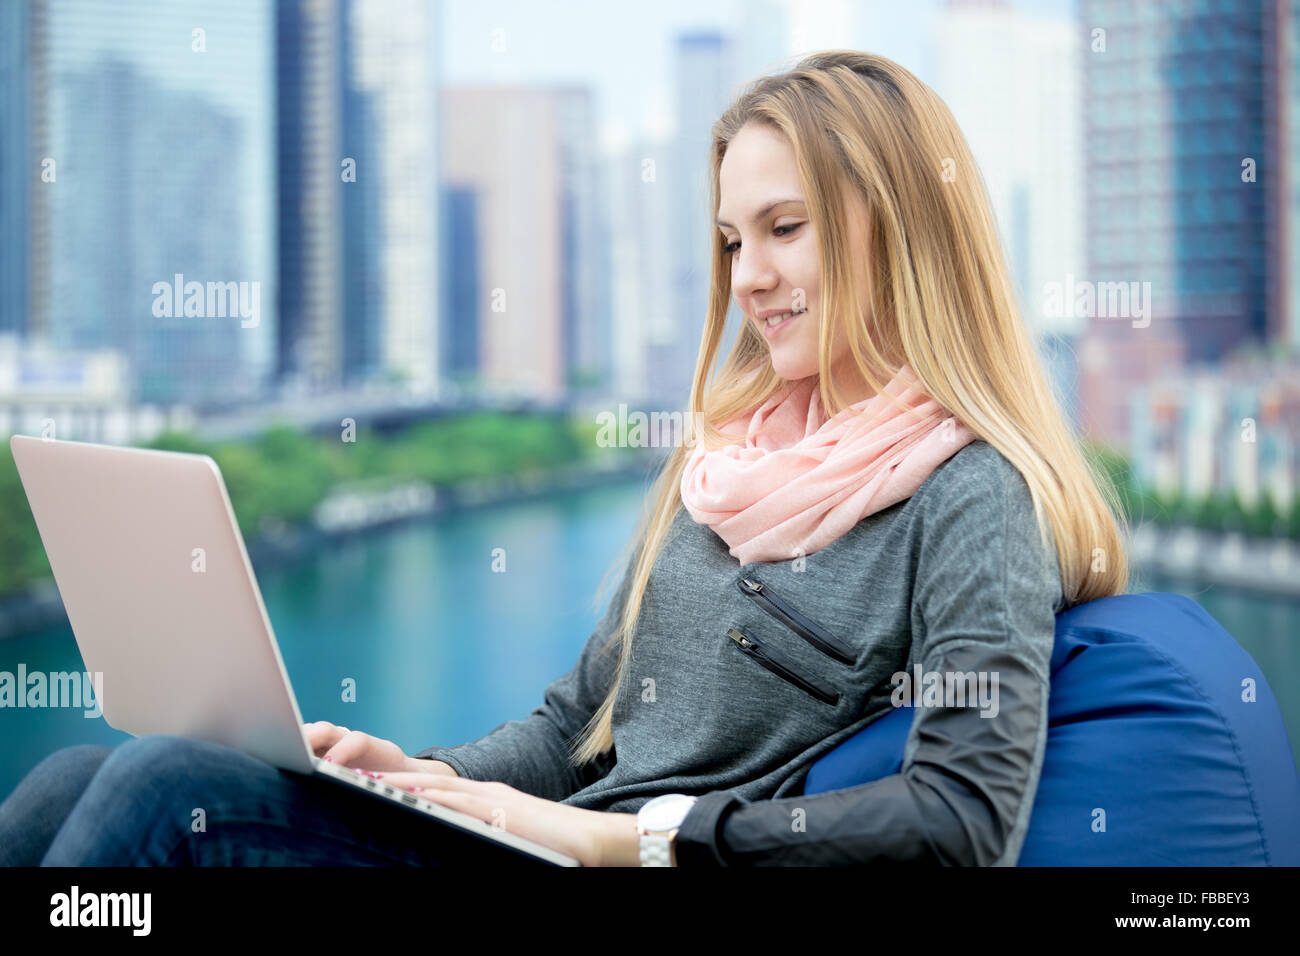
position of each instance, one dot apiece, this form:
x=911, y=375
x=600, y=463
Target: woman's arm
x=985, y=598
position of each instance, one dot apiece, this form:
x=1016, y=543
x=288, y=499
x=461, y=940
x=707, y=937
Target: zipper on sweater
x=809, y=630
x=777, y=665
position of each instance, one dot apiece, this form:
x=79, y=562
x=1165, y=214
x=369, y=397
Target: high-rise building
x=24, y=196
x=393, y=61
x=643, y=203
x=160, y=177
x=168, y=214
x=309, y=71
x=1282, y=84
x=1184, y=166
x=539, y=248
x=358, y=200
x=362, y=185
x=461, y=246
x=1029, y=155
x=18, y=170
x=705, y=85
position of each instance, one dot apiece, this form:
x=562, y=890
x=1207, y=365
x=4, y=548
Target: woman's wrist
x=425, y=765
x=620, y=845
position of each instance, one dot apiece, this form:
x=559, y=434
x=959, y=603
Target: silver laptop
x=163, y=602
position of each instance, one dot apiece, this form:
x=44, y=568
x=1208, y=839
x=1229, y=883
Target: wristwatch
x=657, y=822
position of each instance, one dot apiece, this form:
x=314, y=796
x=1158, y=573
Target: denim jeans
x=137, y=805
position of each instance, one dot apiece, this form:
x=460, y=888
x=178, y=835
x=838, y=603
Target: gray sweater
x=742, y=676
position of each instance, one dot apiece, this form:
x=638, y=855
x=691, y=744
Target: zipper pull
x=755, y=586
x=739, y=638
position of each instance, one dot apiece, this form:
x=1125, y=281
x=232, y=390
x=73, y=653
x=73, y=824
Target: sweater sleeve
x=985, y=597
x=532, y=754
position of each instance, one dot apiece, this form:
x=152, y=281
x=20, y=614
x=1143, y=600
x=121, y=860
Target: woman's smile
x=775, y=323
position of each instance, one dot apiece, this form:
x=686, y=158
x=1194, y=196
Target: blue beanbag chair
x=1147, y=722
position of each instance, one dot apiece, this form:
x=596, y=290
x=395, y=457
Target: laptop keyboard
x=358, y=778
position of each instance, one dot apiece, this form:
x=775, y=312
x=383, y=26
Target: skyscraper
x=589, y=349
x=1283, y=97
x=309, y=88
x=705, y=80
x=461, y=245
x=644, y=203
x=18, y=171
x=362, y=186
x=1183, y=168
x=160, y=166
x=24, y=196
x=514, y=150
x=393, y=60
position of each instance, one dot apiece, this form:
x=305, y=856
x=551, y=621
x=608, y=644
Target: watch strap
x=655, y=849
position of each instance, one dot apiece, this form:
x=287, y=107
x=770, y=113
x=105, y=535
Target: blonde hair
x=938, y=297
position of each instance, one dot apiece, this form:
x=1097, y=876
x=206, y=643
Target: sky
x=623, y=48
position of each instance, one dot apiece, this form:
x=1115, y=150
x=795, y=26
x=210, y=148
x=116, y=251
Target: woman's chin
x=791, y=370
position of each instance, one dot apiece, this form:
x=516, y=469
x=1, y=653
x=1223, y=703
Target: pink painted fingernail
x=328, y=757
x=417, y=790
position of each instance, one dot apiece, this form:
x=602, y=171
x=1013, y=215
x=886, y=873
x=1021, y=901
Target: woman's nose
x=751, y=273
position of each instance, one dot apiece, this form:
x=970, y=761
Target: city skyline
x=494, y=219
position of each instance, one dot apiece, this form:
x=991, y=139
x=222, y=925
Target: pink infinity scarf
x=797, y=482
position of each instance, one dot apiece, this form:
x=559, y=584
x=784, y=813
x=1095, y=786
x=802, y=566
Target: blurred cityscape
x=223, y=213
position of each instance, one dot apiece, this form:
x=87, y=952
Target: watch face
x=666, y=812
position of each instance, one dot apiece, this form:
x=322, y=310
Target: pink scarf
x=793, y=486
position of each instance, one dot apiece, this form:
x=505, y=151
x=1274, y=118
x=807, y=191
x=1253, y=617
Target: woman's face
x=772, y=247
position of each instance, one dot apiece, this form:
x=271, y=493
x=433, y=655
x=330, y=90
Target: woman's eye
x=732, y=247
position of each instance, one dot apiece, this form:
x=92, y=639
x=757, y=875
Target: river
x=441, y=648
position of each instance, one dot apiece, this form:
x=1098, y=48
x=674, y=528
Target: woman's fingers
x=322, y=735
x=485, y=800
x=570, y=830
x=351, y=746
x=407, y=780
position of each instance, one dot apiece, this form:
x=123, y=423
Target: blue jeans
x=135, y=805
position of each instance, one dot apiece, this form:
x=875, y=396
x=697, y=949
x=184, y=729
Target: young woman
x=880, y=486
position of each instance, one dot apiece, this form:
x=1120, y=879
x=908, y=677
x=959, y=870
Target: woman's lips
x=771, y=330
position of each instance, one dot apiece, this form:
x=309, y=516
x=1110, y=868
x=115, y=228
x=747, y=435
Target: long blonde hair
x=938, y=298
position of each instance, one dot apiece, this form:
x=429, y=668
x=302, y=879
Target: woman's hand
x=591, y=837
x=352, y=748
